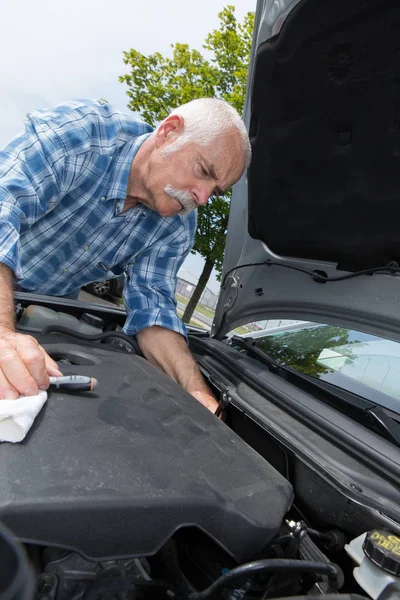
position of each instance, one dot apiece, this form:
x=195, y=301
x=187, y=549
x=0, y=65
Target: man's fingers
x=7, y=391
x=15, y=372
x=206, y=399
x=24, y=366
x=51, y=365
x=33, y=358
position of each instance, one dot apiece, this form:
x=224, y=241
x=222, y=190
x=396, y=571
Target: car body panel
x=312, y=225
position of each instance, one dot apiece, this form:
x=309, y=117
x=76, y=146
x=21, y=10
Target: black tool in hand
x=76, y=383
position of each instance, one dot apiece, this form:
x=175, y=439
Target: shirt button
x=65, y=270
x=102, y=198
x=86, y=248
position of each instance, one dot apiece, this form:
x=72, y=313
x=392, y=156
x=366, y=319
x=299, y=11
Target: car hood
x=321, y=198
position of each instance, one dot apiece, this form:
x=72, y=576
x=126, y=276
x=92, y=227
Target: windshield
x=358, y=362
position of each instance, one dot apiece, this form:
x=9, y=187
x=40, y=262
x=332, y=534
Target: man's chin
x=166, y=213
x=171, y=211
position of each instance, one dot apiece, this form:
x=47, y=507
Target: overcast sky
x=55, y=50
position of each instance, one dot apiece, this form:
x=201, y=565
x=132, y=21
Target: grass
x=205, y=311
x=241, y=330
x=201, y=309
x=208, y=313
x=181, y=299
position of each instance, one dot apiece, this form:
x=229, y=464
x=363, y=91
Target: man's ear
x=169, y=129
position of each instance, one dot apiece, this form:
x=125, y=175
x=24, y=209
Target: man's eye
x=203, y=171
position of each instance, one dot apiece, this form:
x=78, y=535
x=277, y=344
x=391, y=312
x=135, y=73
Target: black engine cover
x=115, y=472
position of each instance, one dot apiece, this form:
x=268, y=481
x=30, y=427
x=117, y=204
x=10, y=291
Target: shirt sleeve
x=30, y=180
x=150, y=288
x=45, y=162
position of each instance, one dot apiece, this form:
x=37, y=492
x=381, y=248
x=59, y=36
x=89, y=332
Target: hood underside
x=322, y=193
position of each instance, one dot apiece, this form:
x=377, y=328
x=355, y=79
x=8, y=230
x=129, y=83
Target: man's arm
x=6, y=298
x=24, y=365
x=149, y=296
x=31, y=180
x=168, y=350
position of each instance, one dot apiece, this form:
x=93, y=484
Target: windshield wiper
x=372, y=416
x=386, y=423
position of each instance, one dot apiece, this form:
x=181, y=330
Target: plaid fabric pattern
x=63, y=184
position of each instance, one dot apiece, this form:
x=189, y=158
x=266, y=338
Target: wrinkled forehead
x=226, y=156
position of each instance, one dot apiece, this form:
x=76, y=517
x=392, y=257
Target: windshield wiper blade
x=385, y=423
x=373, y=416
x=249, y=344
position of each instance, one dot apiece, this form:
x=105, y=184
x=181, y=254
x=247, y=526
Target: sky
x=54, y=50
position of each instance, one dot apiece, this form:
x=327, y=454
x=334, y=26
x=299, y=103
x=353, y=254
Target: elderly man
x=87, y=191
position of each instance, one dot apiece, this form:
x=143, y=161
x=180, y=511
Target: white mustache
x=184, y=198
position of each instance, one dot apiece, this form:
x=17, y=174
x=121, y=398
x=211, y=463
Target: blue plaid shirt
x=63, y=184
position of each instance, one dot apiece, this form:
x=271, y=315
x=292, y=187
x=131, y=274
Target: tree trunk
x=195, y=297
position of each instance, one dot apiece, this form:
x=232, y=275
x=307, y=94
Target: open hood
x=322, y=193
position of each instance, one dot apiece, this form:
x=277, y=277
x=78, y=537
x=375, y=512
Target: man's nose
x=203, y=194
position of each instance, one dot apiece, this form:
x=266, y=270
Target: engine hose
x=309, y=551
x=273, y=565
x=93, y=338
x=331, y=540
x=318, y=534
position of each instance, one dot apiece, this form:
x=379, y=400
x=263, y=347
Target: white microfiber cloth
x=17, y=416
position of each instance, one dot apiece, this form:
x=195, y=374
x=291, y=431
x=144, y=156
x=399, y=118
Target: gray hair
x=205, y=119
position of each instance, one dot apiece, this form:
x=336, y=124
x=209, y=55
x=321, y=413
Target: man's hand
x=168, y=350
x=206, y=399
x=24, y=365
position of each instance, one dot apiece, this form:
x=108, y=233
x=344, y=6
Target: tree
x=300, y=349
x=157, y=84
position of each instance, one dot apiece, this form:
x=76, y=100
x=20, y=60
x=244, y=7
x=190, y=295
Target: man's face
x=185, y=179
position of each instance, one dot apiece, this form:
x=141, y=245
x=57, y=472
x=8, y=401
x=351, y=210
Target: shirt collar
x=122, y=168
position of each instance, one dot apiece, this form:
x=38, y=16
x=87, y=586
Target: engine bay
x=134, y=460
x=135, y=490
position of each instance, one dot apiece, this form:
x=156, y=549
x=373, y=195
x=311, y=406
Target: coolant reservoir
x=378, y=555
x=36, y=318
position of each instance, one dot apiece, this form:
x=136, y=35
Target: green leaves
x=231, y=45
x=157, y=84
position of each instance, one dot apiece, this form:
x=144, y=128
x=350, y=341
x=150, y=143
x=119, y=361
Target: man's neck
x=130, y=203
